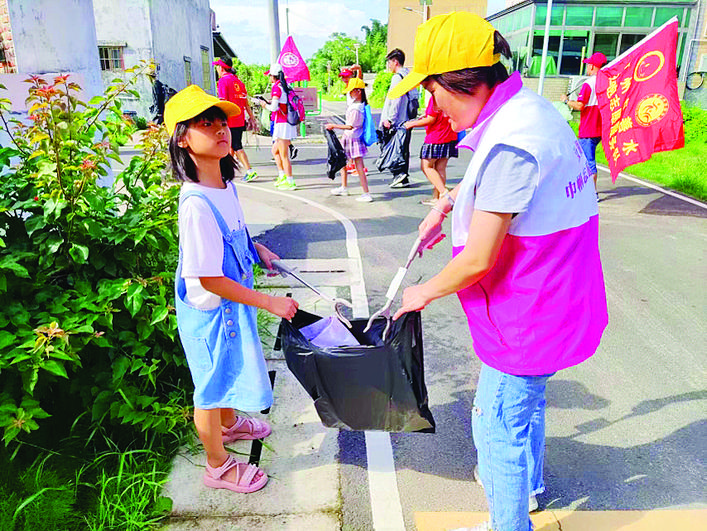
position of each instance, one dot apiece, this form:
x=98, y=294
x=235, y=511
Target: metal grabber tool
x=417, y=248
x=338, y=303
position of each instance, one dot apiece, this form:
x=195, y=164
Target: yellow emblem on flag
x=651, y=109
x=649, y=65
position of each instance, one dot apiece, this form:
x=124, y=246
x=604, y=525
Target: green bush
x=87, y=326
x=141, y=123
x=695, y=120
x=380, y=89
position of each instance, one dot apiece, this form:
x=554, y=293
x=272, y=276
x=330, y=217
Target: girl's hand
x=407, y=125
x=284, y=307
x=267, y=256
x=414, y=298
x=329, y=127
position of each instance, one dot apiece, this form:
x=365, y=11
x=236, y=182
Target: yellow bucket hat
x=446, y=43
x=191, y=102
x=354, y=83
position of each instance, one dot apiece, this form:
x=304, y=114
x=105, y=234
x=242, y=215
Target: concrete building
x=695, y=73
x=177, y=34
x=43, y=37
x=405, y=15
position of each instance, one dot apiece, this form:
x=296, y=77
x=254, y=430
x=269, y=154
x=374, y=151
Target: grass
x=683, y=170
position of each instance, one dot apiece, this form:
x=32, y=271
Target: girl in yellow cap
x=214, y=296
x=525, y=265
x=352, y=139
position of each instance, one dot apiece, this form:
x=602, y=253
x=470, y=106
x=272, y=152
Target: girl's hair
x=183, y=167
x=468, y=80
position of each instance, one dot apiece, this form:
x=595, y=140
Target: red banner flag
x=292, y=63
x=638, y=101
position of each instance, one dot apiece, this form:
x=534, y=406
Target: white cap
x=275, y=69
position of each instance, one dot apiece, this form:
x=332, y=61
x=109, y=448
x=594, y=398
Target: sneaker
x=281, y=179
x=293, y=152
x=364, y=198
x=249, y=176
x=532, y=500
x=288, y=184
x=398, y=179
x=339, y=191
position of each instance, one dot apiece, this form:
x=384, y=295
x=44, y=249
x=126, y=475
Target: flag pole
x=546, y=41
x=274, y=18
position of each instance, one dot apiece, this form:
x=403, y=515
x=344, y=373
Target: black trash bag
x=336, y=158
x=393, y=156
x=378, y=385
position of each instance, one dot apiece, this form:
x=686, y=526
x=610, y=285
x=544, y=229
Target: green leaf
x=55, y=367
x=6, y=339
x=95, y=100
x=134, y=298
x=79, y=253
x=160, y=313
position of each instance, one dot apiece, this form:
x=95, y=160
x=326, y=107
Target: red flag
x=638, y=101
x=292, y=63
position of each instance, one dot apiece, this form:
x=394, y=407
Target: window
x=628, y=40
x=606, y=43
x=574, y=49
x=579, y=15
x=111, y=57
x=609, y=16
x=206, y=68
x=553, y=49
x=638, y=17
x=187, y=70
x=557, y=14
x=663, y=14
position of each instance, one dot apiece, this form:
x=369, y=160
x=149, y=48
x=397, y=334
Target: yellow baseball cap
x=191, y=102
x=446, y=43
x=354, y=83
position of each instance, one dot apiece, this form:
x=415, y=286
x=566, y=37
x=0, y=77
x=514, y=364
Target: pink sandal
x=249, y=478
x=246, y=429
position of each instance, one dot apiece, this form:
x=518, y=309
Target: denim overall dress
x=222, y=346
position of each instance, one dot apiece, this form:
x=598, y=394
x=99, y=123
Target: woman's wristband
x=444, y=214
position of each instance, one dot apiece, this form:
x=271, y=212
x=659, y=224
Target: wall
x=553, y=87
x=402, y=24
x=127, y=21
x=190, y=21
x=48, y=39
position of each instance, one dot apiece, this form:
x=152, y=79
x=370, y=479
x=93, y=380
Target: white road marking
x=386, y=509
x=656, y=187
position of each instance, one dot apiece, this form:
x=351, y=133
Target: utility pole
x=287, y=20
x=357, y=45
x=546, y=41
x=274, y=18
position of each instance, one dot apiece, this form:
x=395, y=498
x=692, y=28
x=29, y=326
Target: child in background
x=440, y=144
x=351, y=140
x=214, y=296
x=283, y=132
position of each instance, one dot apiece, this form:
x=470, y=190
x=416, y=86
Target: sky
x=245, y=26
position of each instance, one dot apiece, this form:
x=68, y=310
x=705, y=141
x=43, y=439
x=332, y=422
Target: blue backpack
x=369, y=136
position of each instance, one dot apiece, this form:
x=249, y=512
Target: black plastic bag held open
x=378, y=385
x=393, y=156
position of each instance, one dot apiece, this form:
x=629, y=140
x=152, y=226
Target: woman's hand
x=266, y=256
x=414, y=298
x=407, y=125
x=329, y=127
x=284, y=307
x=430, y=225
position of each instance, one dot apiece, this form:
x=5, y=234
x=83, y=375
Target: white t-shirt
x=201, y=239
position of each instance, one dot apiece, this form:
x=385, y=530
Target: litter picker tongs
x=338, y=303
x=417, y=248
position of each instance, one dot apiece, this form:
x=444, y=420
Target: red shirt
x=589, y=116
x=440, y=131
x=276, y=93
x=232, y=89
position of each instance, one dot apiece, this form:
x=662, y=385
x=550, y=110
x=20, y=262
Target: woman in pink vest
x=526, y=264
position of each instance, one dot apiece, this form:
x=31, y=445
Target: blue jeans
x=508, y=422
x=589, y=146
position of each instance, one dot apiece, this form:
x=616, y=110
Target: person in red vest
x=231, y=88
x=589, y=117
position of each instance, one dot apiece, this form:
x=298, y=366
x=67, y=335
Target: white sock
x=280, y=174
